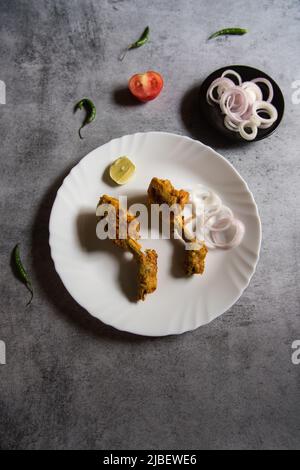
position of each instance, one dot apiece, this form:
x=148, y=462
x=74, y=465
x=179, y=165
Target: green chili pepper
x=20, y=271
x=90, y=109
x=229, y=31
x=140, y=42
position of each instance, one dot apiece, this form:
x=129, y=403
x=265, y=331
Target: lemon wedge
x=122, y=170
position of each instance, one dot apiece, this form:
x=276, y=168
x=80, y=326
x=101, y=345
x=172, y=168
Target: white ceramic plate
x=101, y=278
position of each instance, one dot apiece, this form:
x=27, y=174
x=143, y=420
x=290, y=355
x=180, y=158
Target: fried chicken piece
x=147, y=274
x=195, y=251
x=195, y=260
x=129, y=243
x=163, y=192
x=146, y=261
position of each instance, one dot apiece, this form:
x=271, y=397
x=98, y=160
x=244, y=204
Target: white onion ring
x=222, y=85
x=225, y=214
x=266, y=125
x=205, y=197
x=221, y=225
x=269, y=85
x=237, y=101
x=255, y=120
x=233, y=73
x=226, y=108
x=230, y=125
x=249, y=125
x=240, y=104
x=236, y=239
x=213, y=219
x=268, y=108
x=253, y=91
x=248, y=114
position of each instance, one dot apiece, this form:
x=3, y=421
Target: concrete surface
x=69, y=381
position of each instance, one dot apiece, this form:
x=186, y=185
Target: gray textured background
x=71, y=382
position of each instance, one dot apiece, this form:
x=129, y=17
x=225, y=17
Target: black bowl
x=213, y=113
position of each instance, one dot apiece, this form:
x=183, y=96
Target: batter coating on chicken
x=146, y=261
x=195, y=260
x=163, y=192
x=147, y=274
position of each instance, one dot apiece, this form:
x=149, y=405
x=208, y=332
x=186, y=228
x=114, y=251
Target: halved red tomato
x=146, y=86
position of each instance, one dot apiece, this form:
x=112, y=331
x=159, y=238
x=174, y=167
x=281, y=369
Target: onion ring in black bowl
x=214, y=115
